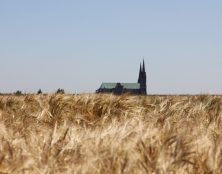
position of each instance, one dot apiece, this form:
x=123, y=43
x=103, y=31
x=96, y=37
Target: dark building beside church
x=132, y=88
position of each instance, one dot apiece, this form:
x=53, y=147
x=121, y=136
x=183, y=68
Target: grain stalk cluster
x=110, y=134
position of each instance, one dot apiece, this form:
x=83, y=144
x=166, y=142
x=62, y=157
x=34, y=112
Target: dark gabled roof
x=125, y=85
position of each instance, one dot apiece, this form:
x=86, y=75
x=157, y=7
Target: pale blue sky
x=76, y=45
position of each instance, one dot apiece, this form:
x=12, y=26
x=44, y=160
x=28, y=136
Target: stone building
x=138, y=88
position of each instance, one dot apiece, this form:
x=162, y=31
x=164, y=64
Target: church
x=138, y=88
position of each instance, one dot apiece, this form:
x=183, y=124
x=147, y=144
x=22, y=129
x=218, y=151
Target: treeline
x=39, y=92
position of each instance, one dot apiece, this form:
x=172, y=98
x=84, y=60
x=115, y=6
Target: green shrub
x=18, y=92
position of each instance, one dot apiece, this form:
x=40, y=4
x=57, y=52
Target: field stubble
x=110, y=134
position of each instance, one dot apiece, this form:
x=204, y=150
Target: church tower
x=142, y=79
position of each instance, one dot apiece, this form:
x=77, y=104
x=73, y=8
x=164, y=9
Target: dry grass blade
x=110, y=134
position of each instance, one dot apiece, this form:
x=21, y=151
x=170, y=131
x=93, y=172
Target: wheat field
x=89, y=133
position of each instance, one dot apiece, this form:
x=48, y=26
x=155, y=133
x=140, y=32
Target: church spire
x=139, y=79
x=142, y=79
x=144, y=66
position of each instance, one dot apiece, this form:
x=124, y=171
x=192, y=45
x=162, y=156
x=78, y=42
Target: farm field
x=89, y=133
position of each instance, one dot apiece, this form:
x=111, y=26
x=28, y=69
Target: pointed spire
x=139, y=78
x=144, y=66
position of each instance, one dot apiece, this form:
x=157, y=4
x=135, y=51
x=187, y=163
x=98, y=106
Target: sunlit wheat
x=110, y=134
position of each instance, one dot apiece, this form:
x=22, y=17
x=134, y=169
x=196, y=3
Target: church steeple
x=142, y=78
x=140, y=72
x=144, y=66
x=140, y=68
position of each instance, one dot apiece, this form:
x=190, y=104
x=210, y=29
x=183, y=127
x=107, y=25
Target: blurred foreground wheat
x=108, y=134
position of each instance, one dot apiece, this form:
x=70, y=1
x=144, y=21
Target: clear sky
x=76, y=45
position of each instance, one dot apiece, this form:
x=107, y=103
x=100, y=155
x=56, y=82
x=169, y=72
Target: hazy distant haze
x=76, y=45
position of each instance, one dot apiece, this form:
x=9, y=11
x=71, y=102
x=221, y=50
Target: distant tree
x=18, y=92
x=39, y=91
x=60, y=91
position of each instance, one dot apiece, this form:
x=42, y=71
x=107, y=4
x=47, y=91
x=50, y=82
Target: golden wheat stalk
x=110, y=134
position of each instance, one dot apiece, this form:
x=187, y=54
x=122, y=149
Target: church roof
x=125, y=85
